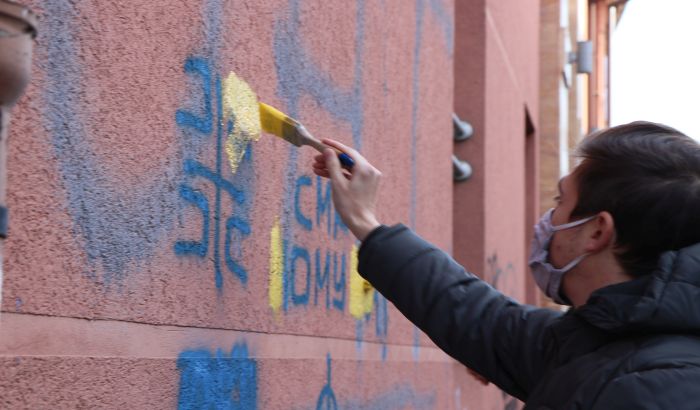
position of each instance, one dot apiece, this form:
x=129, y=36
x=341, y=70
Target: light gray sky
x=655, y=64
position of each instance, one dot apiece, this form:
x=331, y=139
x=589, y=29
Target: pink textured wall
x=160, y=257
x=496, y=90
x=142, y=269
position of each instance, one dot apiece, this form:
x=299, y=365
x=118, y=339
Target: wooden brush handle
x=308, y=139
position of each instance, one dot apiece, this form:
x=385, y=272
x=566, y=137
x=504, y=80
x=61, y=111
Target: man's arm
x=471, y=321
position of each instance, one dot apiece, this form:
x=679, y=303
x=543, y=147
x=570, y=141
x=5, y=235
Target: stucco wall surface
x=496, y=90
x=162, y=255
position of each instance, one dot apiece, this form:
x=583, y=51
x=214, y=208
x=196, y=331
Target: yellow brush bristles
x=272, y=120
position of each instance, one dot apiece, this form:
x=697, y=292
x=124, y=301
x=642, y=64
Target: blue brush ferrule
x=346, y=160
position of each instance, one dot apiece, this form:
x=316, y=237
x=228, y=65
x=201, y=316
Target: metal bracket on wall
x=462, y=129
x=462, y=132
x=3, y=222
x=582, y=57
x=461, y=170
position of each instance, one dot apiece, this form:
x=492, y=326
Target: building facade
x=163, y=253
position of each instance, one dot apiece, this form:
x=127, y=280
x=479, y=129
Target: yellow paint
x=361, y=292
x=240, y=105
x=276, y=268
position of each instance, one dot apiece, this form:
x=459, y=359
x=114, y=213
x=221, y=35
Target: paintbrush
x=277, y=123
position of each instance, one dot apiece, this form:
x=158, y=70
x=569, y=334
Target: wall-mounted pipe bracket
x=462, y=129
x=461, y=170
x=3, y=222
x=583, y=57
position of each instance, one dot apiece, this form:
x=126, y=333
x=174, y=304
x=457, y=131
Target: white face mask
x=547, y=277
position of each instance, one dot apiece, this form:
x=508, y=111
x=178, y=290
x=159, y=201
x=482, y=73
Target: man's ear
x=600, y=232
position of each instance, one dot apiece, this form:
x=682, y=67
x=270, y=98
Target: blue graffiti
x=300, y=280
x=203, y=126
x=217, y=381
x=326, y=400
x=339, y=282
x=446, y=20
x=326, y=272
x=200, y=201
x=120, y=227
x=299, y=76
x=323, y=279
x=381, y=323
x=397, y=397
x=414, y=111
x=496, y=272
x=416, y=342
x=117, y=227
x=323, y=203
x=304, y=222
x=186, y=118
x=324, y=206
x=303, y=254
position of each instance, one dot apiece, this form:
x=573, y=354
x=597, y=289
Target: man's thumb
x=333, y=164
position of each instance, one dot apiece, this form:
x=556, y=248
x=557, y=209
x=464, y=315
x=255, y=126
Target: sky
x=655, y=64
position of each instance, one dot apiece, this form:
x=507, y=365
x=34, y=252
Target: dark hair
x=647, y=176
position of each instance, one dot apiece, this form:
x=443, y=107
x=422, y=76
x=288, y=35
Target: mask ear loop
x=579, y=258
x=561, y=227
x=568, y=225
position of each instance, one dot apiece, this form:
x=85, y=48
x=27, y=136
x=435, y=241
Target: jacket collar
x=664, y=301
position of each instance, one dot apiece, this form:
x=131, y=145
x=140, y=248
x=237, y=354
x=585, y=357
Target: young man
x=622, y=247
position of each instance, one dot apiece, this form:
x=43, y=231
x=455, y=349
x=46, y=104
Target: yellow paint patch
x=276, y=268
x=361, y=292
x=240, y=104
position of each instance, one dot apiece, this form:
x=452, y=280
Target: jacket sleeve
x=467, y=318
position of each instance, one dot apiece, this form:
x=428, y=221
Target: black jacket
x=634, y=345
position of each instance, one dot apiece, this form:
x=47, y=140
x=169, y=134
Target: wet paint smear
x=276, y=268
x=361, y=292
x=241, y=108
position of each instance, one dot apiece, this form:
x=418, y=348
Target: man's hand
x=355, y=191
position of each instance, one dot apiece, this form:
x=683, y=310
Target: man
x=622, y=247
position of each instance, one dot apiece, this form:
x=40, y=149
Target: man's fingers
x=356, y=156
x=333, y=166
x=322, y=172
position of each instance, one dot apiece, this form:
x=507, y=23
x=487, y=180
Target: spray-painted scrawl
x=214, y=117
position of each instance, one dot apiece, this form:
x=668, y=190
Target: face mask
x=548, y=277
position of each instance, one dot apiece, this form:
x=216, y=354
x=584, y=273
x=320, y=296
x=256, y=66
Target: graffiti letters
x=204, y=125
